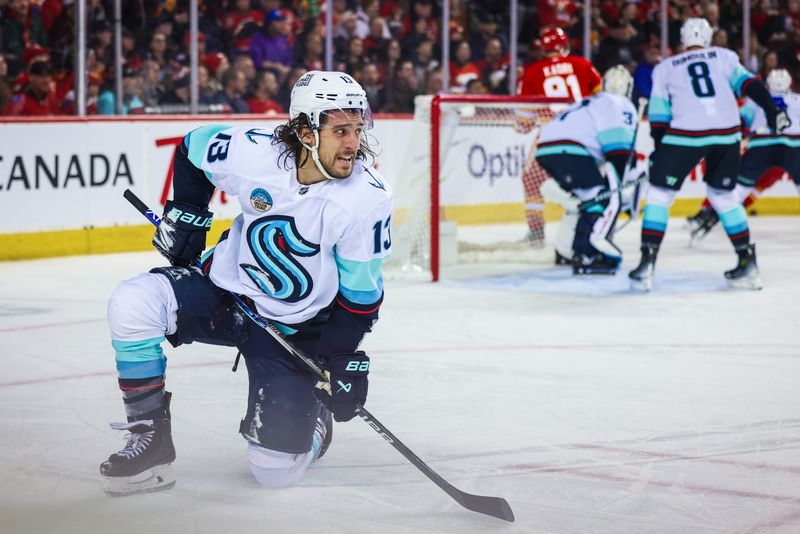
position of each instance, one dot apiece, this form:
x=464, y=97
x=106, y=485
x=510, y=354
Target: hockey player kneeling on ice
x=305, y=253
x=693, y=115
x=597, y=129
x=768, y=155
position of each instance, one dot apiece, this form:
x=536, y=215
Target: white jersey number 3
x=562, y=86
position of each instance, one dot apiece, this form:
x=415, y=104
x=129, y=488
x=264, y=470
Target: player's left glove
x=181, y=235
x=782, y=121
x=778, y=122
x=347, y=385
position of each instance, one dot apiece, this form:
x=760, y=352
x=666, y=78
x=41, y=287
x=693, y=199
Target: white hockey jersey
x=695, y=94
x=595, y=126
x=294, y=246
x=756, y=121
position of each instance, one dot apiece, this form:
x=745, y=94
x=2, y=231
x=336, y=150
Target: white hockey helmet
x=617, y=80
x=319, y=91
x=779, y=80
x=696, y=32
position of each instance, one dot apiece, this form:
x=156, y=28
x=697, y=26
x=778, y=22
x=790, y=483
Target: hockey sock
x=735, y=223
x=140, y=367
x=143, y=398
x=654, y=224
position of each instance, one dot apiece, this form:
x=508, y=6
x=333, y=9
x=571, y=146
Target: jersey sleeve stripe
x=740, y=78
x=615, y=139
x=359, y=309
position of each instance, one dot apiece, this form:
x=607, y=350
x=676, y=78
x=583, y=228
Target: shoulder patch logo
x=260, y=200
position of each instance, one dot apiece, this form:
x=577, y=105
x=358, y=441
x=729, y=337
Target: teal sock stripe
x=734, y=220
x=140, y=359
x=655, y=218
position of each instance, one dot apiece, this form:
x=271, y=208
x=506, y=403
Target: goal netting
x=469, y=191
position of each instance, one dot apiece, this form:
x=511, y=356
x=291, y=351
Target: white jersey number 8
x=562, y=86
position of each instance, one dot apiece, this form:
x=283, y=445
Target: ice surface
x=590, y=409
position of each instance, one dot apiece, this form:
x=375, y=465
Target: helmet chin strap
x=315, y=155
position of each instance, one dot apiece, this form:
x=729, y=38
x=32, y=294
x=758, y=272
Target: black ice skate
x=562, y=260
x=701, y=223
x=143, y=466
x=323, y=433
x=745, y=275
x=642, y=276
x=597, y=263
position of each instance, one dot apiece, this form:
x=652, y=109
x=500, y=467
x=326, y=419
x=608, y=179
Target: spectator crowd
x=252, y=51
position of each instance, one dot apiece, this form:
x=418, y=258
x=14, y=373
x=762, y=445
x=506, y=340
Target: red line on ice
x=49, y=325
x=578, y=471
x=45, y=380
x=654, y=454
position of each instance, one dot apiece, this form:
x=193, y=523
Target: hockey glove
x=181, y=236
x=347, y=387
x=782, y=121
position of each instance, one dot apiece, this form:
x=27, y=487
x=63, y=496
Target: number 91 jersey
x=560, y=77
x=294, y=248
x=697, y=91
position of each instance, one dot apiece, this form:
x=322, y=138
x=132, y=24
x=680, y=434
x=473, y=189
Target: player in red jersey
x=559, y=74
x=563, y=76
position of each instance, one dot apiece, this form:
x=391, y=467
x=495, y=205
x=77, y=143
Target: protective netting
x=490, y=207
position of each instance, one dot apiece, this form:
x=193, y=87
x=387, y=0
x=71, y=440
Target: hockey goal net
x=469, y=192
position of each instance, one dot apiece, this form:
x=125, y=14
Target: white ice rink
x=590, y=409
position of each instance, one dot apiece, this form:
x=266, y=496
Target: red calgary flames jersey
x=559, y=76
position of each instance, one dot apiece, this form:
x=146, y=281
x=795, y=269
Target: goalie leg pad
x=566, y=234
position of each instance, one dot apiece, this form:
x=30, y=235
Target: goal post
x=469, y=191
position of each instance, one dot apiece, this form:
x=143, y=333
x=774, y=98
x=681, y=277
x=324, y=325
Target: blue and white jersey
x=756, y=122
x=294, y=247
x=597, y=126
x=695, y=94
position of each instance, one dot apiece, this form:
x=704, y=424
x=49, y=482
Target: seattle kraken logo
x=274, y=242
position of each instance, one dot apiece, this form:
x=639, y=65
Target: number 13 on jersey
x=379, y=243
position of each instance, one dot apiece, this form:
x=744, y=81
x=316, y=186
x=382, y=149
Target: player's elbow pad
x=190, y=184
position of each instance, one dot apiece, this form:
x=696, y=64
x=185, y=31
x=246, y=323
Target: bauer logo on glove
x=346, y=388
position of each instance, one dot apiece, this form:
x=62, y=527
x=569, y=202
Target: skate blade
x=156, y=478
x=751, y=283
x=594, y=272
x=641, y=285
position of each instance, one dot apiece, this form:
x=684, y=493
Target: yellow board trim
x=87, y=241
x=25, y=246
x=514, y=212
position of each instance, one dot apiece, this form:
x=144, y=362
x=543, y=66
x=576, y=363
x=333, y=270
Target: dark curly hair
x=287, y=135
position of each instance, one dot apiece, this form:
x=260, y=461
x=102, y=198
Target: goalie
x=571, y=148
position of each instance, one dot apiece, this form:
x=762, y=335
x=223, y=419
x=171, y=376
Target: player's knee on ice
x=274, y=469
x=143, y=307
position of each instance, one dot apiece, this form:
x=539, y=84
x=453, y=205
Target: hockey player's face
x=339, y=139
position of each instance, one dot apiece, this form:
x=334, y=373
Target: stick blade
x=493, y=506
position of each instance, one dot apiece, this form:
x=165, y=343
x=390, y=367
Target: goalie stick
x=493, y=506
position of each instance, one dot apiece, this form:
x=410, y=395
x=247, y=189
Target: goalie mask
x=618, y=81
x=779, y=81
x=696, y=32
x=323, y=95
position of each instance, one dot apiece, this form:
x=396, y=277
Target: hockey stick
x=605, y=195
x=493, y=506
